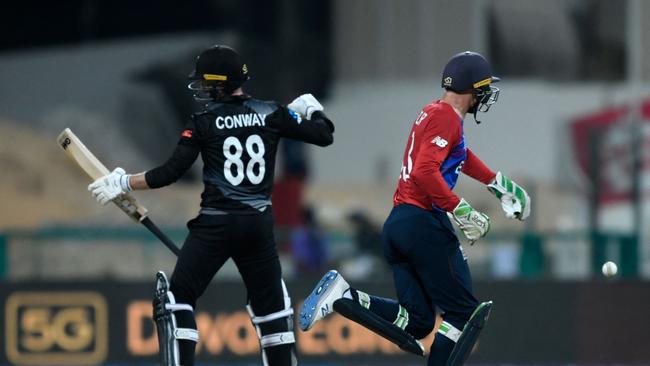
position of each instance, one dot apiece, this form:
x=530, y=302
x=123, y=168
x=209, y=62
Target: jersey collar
x=452, y=107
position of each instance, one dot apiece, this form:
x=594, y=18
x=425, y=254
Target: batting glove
x=106, y=188
x=515, y=202
x=473, y=224
x=305, y=105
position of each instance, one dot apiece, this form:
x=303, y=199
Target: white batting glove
x=472, y=223
x=106, y=188
x=305, y=105
x=515, y=202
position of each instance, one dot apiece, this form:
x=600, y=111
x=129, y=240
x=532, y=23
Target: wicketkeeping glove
x=474, y=224
x=106, y=188
x=515, y=202
x=305, y=105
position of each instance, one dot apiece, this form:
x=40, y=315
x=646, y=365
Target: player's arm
x=426, y=175
x=426, y=169
x=184, y=155
x=304, y=120
x=515, y=202
x=168, y=173
x=117, y=182
x=477, y=169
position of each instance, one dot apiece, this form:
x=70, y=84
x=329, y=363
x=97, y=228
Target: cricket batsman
x=429, y=266
x=237, y=137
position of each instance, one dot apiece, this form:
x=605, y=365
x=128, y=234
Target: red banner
x=605, y=139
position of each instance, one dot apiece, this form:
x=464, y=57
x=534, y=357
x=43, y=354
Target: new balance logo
x=325, y=310
x=439, y=141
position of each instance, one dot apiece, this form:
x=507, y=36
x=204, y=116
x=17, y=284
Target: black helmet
x=470, y=72
x=218, y=70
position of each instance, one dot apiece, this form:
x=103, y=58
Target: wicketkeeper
x=429, y=265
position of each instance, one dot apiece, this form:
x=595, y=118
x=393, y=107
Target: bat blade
x=80, y=154
x=94, y=169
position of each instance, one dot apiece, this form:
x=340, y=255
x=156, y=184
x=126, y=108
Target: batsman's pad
x=164, y=307
x=282, y=319
x=358, y=314
x=470, y=334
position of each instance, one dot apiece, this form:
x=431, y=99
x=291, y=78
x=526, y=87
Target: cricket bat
x=94, y=169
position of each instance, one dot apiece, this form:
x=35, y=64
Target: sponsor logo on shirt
x=439, y=141
x=295, y=116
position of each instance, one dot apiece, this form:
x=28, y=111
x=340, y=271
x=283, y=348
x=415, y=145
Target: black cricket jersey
x=238, y=139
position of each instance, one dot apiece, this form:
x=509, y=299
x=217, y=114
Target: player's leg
x=201, y=257
x=442, y=271
x=333, y=286
x=398, y=241
x=412, y=314
x=333, y=293
x=420, y=312
x=269, y=304
x=469, y=335
x=175, y=325
x=401, y=322
x=463, y=317
x=411, y=311
x=454, y=285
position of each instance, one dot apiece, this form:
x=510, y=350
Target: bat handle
x=160, y=235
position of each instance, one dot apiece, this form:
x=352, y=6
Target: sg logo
x=56, y=328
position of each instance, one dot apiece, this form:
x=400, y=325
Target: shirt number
x=233, y=151
x=406, y=169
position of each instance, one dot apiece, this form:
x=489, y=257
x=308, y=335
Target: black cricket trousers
x=248, y=239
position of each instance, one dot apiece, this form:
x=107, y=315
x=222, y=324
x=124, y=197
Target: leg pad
x=470, y=334
x=164, y=307
x=358, y=314
x=282, y=335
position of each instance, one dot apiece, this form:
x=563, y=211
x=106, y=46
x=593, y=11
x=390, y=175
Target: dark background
x=596, y=322
x=296, y=33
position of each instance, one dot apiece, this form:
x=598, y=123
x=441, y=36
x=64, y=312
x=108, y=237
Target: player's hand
x=305, y=105
x=515, y=202
x=474, y=224
x=106, y=188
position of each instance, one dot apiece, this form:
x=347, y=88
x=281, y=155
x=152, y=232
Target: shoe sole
x=313, y=302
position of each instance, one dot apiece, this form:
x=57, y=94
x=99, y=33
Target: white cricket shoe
x=320, y=302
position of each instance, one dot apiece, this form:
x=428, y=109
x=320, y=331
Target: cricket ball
x=609, y=269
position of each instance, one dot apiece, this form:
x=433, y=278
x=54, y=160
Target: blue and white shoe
x=320, y=302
